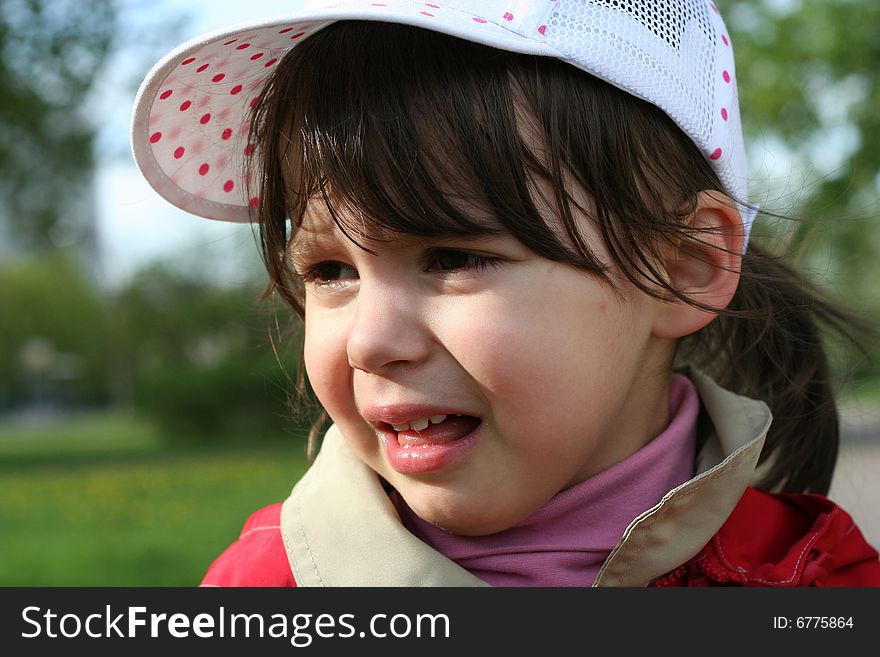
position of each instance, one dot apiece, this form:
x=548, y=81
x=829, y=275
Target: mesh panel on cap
x=666, y=20
x=611, y=35
x=663, y=51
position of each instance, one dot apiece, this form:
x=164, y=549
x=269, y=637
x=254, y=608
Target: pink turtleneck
x=565, y=542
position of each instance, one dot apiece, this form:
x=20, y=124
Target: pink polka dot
x=479, y=20
x=185, y=105
x=270, y=62
x=218, y=77
x=725, y=40
x=286, y=30
x=243, y=46
x=187, y=61
x=724, y=113
x=226, y=134
x=205, y=118
x=201, y=68
x=156, y=136
x=508, y=16
x=425, y=13
x=726, y=76
x=379, y=4
x=432, y=6
x=297, y=35
x=203, y=170
x=714, y=8
x=255, y=101
x=165, y=94
x=228, y=186
x=715, y=154
x=228, y=43
x=255, y=202
x=249, y=150
x=542, y=29
x=178, y=152
x=235, y=90
x=256, y=57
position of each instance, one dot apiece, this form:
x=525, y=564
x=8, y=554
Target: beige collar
x=340, y=528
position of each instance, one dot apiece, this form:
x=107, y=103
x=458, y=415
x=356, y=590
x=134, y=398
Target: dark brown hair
x=388, y=120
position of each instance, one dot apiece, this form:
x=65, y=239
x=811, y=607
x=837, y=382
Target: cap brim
x=189, y=127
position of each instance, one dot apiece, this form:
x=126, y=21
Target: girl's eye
x=446, y=260
x=327, y=273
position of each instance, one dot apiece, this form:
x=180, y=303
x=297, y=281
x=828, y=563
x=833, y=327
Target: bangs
x=418, y=138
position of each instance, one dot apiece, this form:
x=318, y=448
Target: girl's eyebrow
x=304, y=250
x=318, y=243
x=316, y=234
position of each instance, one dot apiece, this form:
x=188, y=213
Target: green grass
x=84, y=437
x=99, y=502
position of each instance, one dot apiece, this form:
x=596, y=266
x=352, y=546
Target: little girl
x=517, y=234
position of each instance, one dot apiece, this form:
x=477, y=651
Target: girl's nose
x=388, y=329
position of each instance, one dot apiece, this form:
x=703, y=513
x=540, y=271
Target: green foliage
x=809, y=74
x=238, y=398
x=201, y=359
x=196, y=358
x=809, y=78
x=50, y=56
x=54, y=54
x=54, y=326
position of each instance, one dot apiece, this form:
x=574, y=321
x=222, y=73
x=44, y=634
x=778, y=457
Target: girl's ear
x=706, y=270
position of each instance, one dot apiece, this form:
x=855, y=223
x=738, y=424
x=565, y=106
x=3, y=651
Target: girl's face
x=476, y=377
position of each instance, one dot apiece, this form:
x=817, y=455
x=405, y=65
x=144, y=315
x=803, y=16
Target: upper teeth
x=419, y=424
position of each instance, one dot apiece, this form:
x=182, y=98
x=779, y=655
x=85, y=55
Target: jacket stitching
x=797, y=567
x=302, y=531
x=256, y=529
x=675, y=502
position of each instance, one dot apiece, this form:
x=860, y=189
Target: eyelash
x=476, y=262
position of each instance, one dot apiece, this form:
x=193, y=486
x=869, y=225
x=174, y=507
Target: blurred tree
x=54, y=56
x=199, y=359
x=809, y=79
x=809, y=76
x=54, y=326
x=50, y=56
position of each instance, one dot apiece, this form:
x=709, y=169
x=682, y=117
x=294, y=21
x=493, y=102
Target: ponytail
x=771, y=344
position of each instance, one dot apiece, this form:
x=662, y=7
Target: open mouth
x=435, y=430
x=431, y=444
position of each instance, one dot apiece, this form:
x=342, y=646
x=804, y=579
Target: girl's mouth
x=435, y=430
x=429, y=444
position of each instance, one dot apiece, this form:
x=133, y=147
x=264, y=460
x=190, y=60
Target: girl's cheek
x=494, y=352
x=325, y=360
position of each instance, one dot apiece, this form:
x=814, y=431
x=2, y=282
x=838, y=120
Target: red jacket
x=782, y=539
x=770, y=539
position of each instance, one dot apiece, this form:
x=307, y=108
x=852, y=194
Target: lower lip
x=419, y=459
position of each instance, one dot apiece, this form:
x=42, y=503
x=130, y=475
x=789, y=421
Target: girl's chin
x=465, y=517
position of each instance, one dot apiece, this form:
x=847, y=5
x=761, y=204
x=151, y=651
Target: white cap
x=190, y=123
